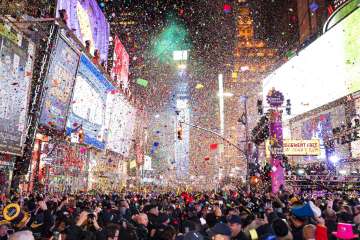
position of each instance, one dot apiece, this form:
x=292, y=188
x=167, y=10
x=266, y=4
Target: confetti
x=199, y=86
x=142, y=82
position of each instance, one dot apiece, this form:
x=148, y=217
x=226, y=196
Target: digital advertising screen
x=319, y=126
x=328, y=69
x=88, y=105
x=88, y=22
x=120, y=70
x=121, y=119
x=59, y=85
x=16, y=65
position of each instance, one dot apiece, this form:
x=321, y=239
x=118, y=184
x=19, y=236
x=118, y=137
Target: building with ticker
x=252, y=59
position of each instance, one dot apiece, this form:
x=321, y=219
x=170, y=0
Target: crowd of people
x=225, y=215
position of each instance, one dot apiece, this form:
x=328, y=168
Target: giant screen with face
x=326, y=70
x=88, y=104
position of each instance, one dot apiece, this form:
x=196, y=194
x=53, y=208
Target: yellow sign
x=6, y=32
x=132, y=164
x=297, y=147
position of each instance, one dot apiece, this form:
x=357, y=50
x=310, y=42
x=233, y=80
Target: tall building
x=311, y=18
x=252, y=60
x=290, y=24
x=267, y=31
x=182, y=131
x=276, y=22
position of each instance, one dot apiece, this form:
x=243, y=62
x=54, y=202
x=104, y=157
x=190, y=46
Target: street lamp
x=243, y=119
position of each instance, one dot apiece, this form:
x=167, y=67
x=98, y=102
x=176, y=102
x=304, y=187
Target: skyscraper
x=252, y=60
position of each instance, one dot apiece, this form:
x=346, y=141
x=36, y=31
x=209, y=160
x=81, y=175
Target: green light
x=142, y=82
x=174, y=37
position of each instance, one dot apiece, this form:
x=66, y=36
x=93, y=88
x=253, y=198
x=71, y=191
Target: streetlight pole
x=245, y=98
x=222, y=121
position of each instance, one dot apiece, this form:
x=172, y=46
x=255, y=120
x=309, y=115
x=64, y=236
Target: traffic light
x=180, y=133
x=260, y=107
x=288, y=107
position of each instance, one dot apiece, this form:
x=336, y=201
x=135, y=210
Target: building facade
x=252, y=60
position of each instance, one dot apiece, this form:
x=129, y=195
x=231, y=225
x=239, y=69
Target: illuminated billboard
x=120, y=70
x=16, y=63
x=326, y=70
x=88, y=104
x=59, y=85
x=319, y=126
x=120, y=124
x=88, y=22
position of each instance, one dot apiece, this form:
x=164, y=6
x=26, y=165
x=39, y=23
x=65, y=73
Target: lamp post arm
x=216, y=134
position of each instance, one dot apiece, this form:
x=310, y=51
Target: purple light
x=313, y=7
x=99, y=26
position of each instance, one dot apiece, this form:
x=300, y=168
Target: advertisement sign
x=89, y=103
x=59, y=85
x=298, y=147
x=16, y=62
x=275, y=98
x=326, y=70
x=88, y=23
x=120, y=70
x=319, y=126
x=132, y=164
x=338, y=3
x=120, y=124
x=147, y=163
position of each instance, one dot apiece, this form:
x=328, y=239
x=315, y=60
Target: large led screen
x=121, y=118
x=16, y=62
x=88, y=22
x=88, y=104
x=59, y=85
x=319, y=126
x=326, y=70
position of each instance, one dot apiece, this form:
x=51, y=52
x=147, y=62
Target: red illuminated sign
x=120, y=70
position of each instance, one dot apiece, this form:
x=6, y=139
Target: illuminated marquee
x=298, y=147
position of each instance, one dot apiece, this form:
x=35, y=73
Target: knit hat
x=307, y=210
x=280, y=228
x=220, y=228
x=234, y=219
x=147, y=208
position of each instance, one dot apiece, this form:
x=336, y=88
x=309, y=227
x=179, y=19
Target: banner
x=132, y=164
x=59, y=85
x=16, y=62
x=298, y=147
x=89, y=103
x=147, y=163
x=120, y=70
x=120, y=124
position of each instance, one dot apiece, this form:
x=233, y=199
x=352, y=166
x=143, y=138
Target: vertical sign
x=120, y=70
x=275, y=99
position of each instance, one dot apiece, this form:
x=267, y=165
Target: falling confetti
x=142, y=82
